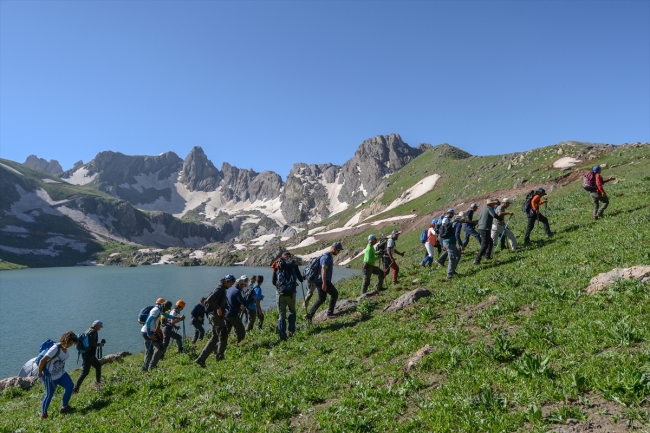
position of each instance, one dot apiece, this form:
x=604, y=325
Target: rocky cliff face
x=52, y=166
x=198, y=173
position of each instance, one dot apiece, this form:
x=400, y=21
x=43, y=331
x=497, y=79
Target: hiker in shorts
x=324, y=283
x=368, y=267
x=485, y=219
x=236, y=304
x=89, y=358
x=153, y=336
x=169, y=331
x=51, y=369
x=286, y=275
x=216, y=305
x=599, y=195
x=389, y=255
x=469, y=224
x=255, y=308
x=450, y=235
x=499, y=226
x=198, y=316
x=430, y=244
x=535, y=214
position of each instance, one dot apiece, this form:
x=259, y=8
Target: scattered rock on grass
x=482, y=306
x=601, y=281
x=113, y=357
x=368, y=295
x=406, y=299
x=415, y=359
x=342, y=307
x=17, y=382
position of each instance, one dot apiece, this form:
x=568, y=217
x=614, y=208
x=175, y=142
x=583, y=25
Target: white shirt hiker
x=56, y=365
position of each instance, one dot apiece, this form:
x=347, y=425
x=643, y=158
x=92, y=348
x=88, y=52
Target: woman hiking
x=52, y=370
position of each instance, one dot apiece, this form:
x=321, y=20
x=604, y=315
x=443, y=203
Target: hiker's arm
x=298, y=274
x=323, y=274
x=259, y=308
x=41, y=365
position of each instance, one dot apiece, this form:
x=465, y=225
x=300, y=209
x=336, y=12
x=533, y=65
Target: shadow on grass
x=95, y=404
x=335, y=326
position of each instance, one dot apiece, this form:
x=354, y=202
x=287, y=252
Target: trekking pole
x=184, y=335
x=504, y=229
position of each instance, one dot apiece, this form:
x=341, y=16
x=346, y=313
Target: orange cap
x=160, y=301
x=180, y=303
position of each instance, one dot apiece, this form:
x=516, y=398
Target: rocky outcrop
x=52, y=166
x=18, y=382
x=113, y=357
x=406, y=299
x=198, y=172
x=343, y=306
x=417, y=357
x=305, y=196
x=601, y=281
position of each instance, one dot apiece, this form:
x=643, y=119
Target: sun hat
x=372, y=238
x=506, y=200
x=492, y=201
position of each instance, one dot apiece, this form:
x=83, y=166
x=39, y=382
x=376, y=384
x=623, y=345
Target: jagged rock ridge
x=52, y=166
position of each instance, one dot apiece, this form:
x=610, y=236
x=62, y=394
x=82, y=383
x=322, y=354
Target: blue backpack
x=286, y=275
x=144, y=313
x=424, y=235
x=43, y=348
x=311, y=271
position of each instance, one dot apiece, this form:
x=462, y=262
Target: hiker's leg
x=380, y=277
x=530, y=226
x=430, y=251
x=212, y=342
x=334, y=295
x=85, y=369
x=395, y=269
x=167, y=331
x=179, y=340
x=260, y=321
x=544, y=222
x=495, y=234
x=240, y=331
x=157, y=353
x=50, y=388
x=291, y=317
x=485, y=238
x=454, y=257
x=321, y=298
x=199, y=332
x=605, y=201
x=148, y=352
x=512, y=239
x=595, y=196
x=251, y=320
x=222, y=337
x=365, y=271
x=282, y=317
x=98, y=368
x=66, y=382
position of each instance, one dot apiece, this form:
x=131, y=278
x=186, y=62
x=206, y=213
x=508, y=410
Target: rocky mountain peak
x=52, y=166
x=198, y=172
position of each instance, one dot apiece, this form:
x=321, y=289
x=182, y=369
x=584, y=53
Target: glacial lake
x=38, y=304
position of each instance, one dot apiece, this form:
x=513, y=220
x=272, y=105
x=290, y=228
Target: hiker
x=368, y=269
x=198, y=315
x=534, y=214
x=251, y=282
x=431, y=238
x=236, y=304
x=597, y=193
x=169, y=331
x=468, y=226
x=485, y=219
x=450, y=235
x=153, y=336
x=324, y=282
x=51, y=369
x=285, y=278
x=216, y=310
x=498, y=226
x=254, y=308
x=311, y=288
x=389, y=255
x=89, y=358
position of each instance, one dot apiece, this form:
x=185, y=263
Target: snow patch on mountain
x=80, y=177
x=333, y=191
x=566, y=162
x=418, y=190
x=13, y=170
x=305, y=243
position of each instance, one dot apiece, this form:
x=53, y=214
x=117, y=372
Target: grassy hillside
x=517, y=346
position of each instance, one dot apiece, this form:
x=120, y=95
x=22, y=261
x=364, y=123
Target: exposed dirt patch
x=602, y=417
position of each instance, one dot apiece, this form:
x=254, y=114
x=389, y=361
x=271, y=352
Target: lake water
x=37, y=304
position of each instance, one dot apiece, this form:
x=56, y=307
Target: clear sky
x=265, y=84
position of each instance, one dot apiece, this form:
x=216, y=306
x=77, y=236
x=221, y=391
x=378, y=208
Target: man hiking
x=389, y=255
x=236, y=305
x=216, y=305
x=90, y=356
x=534, y=214
x=170, y=328
x=598, y=195
x=254, y=307
x=450, y=235
x=368, y=268
x=198, y=315
x=286, y=275
x=468, y=226
x=498, y=226
x=152, y=335
x=485, y=219
x=324, y=282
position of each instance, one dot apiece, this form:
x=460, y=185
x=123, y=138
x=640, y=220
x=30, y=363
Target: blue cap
x=434, y=221
x=596, y=168
x=338, y=246
x=229, y=278
x=98, y=322
x=451, y=211
x=372, y=238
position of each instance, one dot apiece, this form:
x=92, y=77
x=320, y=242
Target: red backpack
x=589, y=181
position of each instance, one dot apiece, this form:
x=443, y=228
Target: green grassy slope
x=539, y=351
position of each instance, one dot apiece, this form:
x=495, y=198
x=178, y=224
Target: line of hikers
x=235, y=298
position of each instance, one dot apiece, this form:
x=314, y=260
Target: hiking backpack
x=31, y=367
x=589, y=181
x=144, y=313
x=446, y=230
x=311, y=270
x=82, y=343
x=381, y=245
x=526, y=207
x=286, y=276
x=424, y=235
x=249, y=300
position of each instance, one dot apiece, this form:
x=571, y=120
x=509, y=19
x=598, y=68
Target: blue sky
x=265, y=84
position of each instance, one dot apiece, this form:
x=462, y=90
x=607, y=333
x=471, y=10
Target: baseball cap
x=98, y=322
x=372, y=238
x=451, y=211
x=338, y=246
x=229, y=278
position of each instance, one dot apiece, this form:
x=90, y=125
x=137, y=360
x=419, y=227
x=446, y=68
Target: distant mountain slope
x=52, y=166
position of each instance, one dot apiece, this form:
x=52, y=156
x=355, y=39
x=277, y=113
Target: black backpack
x=249, y=300
x=286, y=276
x=381, y=245
x=446, y=230
x=526, y=207
x=311, y=270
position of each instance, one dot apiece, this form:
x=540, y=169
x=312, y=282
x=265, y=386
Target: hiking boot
x=308, y=317
x=550, y=234
x=43, y=416
x=200, y=363
x=595, y=217
x=75, y=390
x=440, y=265
x=66, y=409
